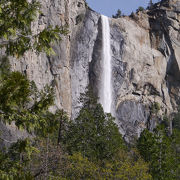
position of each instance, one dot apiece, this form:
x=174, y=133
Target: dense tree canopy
x=157, y=148
x=93, y=133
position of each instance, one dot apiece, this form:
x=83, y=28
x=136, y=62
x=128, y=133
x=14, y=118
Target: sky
x=110, y=7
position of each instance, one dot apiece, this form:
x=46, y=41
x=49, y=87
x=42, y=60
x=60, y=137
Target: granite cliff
x=145, y=62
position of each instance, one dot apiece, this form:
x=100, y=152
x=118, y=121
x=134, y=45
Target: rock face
x=54, y=71
x=145, y=61
x=145, y=54
x=81, y=57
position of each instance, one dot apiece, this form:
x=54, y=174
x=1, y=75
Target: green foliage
x=16, y=92
x=4, y=67
x=11, y=169
x=93, y=133
x=166, y=122
x=50, y=162
x=20, y=100
x=22, y=104
x=161, y=150
x=176, y=142
x=81, y=168
x=155, y=108
x=118, y=14
x=16, y=17
x=145, y=143
x=45, y=39
x=125, y=166
x=140, y=8
x=176, y=148
x=63, y=123
x=156, y=148
x=176, y=120
x=93, y=140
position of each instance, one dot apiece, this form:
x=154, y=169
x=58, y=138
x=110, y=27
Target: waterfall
x=106, y=87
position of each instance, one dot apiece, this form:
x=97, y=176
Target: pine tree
x=118, y=14
x=93, y=133
x=156, y=148
x=176, y=142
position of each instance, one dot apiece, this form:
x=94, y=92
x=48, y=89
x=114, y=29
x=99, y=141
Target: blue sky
x=109, y=7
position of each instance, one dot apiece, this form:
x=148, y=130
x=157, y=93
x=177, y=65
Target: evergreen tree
x=176, y=148
x=176, y=142
x=156, y=148
x=118, y=14
x=93, y=133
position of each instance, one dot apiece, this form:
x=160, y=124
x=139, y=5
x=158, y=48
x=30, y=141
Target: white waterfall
x=105, y=91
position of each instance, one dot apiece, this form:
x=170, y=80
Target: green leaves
x=16, y=17
x=46, y=38
x=15, y=25
x=126, y=166
x=22, y=104
x=11, y=168
x=156, y=148
x=20, y=100
x=81, y=168
x=22, y=148
x=14, y=91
